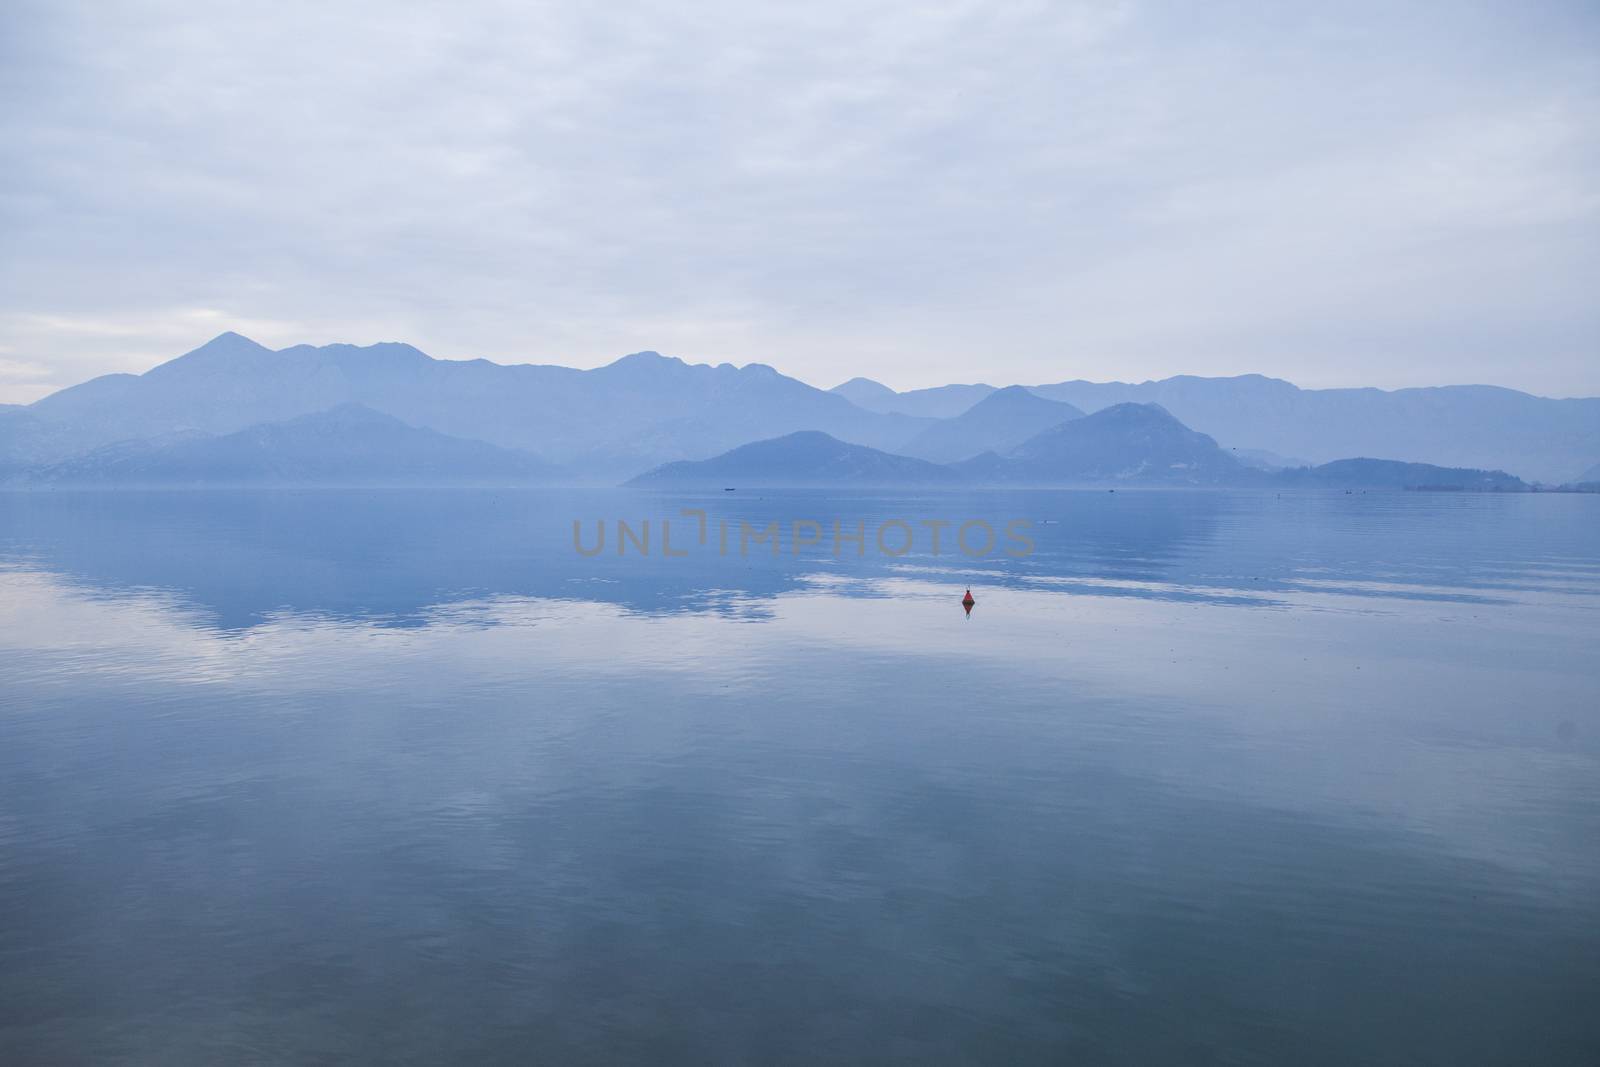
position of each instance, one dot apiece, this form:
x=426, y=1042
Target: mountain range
x=1123, y=445
x=603, y=424
x=235, y=412
x=1454, y=425
x=348, y=445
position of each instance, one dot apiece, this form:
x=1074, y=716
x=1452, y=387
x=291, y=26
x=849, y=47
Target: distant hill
x=1393, y=474
x=940, y=402
x=868, y=394
x=1589, y=477
x=1131, y=443
x=806, y=459
x=998, y=423
x=348, y=445
x=605, y=423
x=1135, y=444
x=1471, y=426
x=1467, y=426
x=1124, y=445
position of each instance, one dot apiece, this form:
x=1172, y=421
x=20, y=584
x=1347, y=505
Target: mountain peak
x=859, y=384
x=647, y=358
x=866, y=393
x=940, y=402
x=225, y=348
x=229, y=341
x=802, y=458
x=998, y=423
x=1015, y=398
x=1123, y=443
x=1134, y=412
x=806, y=438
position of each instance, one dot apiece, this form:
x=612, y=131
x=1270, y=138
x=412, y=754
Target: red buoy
x=967, y=602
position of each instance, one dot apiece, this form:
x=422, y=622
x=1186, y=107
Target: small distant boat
x=729, y=489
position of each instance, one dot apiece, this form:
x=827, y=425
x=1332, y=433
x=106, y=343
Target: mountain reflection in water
x=401, y=777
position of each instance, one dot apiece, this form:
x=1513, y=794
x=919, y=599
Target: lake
x=405, y=777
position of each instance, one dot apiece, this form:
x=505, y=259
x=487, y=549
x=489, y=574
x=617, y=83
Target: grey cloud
x=918, y=192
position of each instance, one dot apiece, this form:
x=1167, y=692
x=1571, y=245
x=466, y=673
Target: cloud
x=917, y=191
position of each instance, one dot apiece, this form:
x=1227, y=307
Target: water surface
x=401, y=777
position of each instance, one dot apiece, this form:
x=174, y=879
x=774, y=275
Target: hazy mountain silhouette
x=940, y=402
x=1393, y=474
x=606, y=423
x=1144, y=444
x=1589, y=476
x=1132, y=443
x=1472, y=426
x=349, y=445
x=998, y=423
x=1126, y=444
x=808, y=458
x=866, y=393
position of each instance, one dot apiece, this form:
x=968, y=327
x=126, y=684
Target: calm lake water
x=401, y=777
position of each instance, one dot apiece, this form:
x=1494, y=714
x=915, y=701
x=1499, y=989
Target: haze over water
x=1210, y=777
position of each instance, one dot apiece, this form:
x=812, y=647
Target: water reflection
x=241, y=557
x=399, y=777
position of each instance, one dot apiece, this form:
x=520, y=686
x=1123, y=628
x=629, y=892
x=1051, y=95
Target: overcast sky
x=921, y=192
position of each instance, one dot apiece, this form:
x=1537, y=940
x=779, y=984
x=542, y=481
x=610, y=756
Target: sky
x=920, y=192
